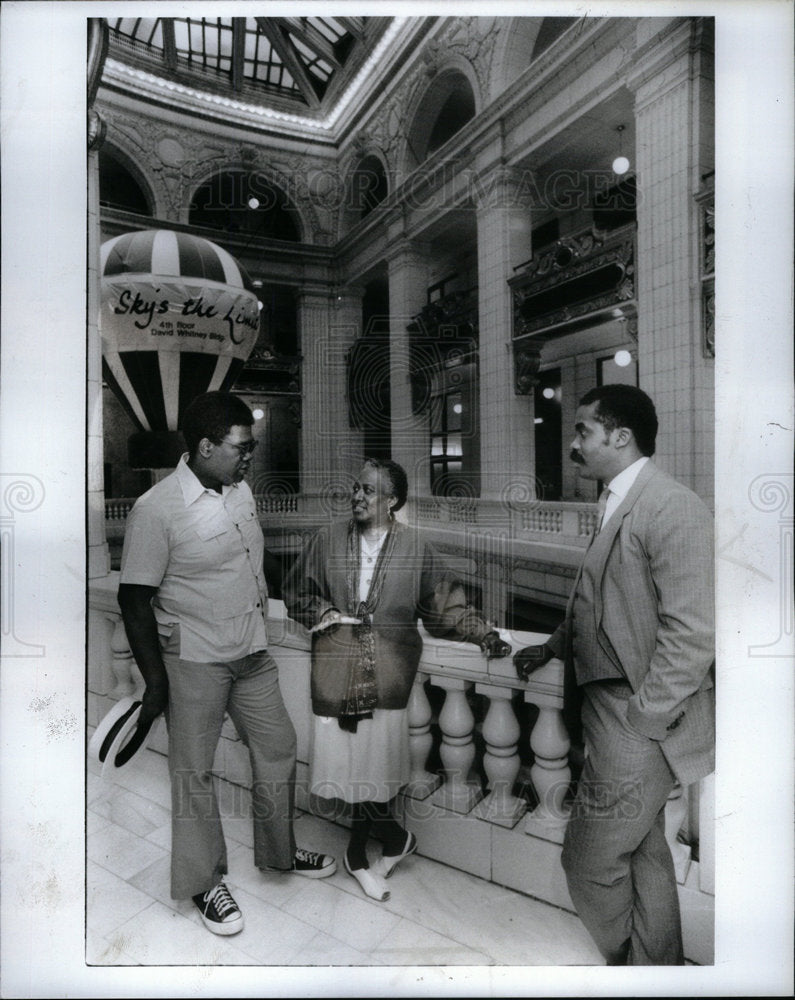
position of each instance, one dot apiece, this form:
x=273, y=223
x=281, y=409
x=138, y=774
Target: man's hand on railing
x=493, y=646
x=530, y=659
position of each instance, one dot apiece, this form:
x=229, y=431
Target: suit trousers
x=618, y=865
x=200, y=694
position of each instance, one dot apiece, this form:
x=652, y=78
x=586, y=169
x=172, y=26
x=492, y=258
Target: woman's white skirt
x=370, y=765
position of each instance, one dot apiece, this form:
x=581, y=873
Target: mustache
x=576, y=457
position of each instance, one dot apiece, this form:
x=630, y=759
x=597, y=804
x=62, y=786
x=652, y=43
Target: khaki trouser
x=200, y=694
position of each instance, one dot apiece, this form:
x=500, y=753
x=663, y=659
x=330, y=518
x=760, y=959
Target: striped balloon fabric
x=163, y=252
x=178, y=317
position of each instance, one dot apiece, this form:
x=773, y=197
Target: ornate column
x=317, y=378
x=346, y=444
x=457, y=723
x=507, y=446
x=673, y=108
x=501, y=760
x=408, y=288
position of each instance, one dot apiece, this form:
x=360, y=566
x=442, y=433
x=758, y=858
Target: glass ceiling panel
x=207, y=44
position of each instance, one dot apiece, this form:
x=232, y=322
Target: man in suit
x=638, y=647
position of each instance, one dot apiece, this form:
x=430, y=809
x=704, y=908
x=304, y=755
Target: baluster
x=100, y=671
x=675, y=812
x=422, y=782
x=550, y=773
x=501, y=760
x=457, y=750
x=122, y=662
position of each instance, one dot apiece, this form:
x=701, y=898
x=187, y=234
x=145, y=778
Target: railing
x=486, y=827
x=565, y=522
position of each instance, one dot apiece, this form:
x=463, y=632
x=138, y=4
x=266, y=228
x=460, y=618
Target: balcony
x=490, y=778
x=568, y=525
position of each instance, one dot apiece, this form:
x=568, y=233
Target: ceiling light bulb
x=258, y=414
x=620, y=165
x=253, y=203
x=622, y=358
x=548, y=393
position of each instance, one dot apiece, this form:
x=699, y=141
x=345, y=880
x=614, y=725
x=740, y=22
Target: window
x=446, y=448
x=548, y=435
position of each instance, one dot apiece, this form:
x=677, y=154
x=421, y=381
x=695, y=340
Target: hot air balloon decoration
x=179, y=317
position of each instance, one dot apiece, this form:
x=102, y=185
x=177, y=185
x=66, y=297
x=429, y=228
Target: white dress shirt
x=621, y=485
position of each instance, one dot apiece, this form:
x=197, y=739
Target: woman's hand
x=332, y=619
x=494, y=646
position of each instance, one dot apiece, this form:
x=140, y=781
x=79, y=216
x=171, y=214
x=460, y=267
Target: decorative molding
x=579, y=276
x=526, y=363
x=706, y=202
x=96, y=130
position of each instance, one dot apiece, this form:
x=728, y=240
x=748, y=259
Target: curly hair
x=211, y=416
x=625, y=406
x=397, y=477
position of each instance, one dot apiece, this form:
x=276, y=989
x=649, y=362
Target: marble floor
x=436, y=916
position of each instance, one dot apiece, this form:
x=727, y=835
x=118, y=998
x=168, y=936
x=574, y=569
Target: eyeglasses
x=245, y=449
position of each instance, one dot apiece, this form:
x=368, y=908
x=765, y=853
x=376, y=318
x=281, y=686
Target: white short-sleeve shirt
x=203, y=552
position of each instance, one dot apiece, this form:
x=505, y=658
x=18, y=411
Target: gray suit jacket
x=654, y=617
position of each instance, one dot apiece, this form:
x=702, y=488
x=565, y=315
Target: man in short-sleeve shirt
x=194, y=601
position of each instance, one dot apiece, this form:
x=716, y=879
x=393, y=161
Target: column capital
x=503, y=185
x=404, y=252
x=316, y=292
x=662, y=62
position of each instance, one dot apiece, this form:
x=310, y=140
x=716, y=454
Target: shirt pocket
x=212, y=528
x=248, y=524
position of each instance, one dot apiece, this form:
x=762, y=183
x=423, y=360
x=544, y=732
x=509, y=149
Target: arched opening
x=447, y=106
x=368, y=186
x=238, y=202
x=457, y=110
x=118, y=187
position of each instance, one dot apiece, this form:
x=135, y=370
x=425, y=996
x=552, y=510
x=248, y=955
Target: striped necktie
x=600, y=509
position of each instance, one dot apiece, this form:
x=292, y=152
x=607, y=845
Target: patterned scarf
x=362, y=695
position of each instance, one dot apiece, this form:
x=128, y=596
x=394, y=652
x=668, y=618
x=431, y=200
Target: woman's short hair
x=625, y=406
x=397, y=477
x=211, y=416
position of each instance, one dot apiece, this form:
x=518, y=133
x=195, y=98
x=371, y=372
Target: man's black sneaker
x=310, y=864
x=219, y=911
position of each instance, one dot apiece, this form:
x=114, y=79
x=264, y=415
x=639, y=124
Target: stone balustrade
x=495, y=801
x=546, y=522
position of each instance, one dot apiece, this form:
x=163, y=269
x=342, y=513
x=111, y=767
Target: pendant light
x=621, y=163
